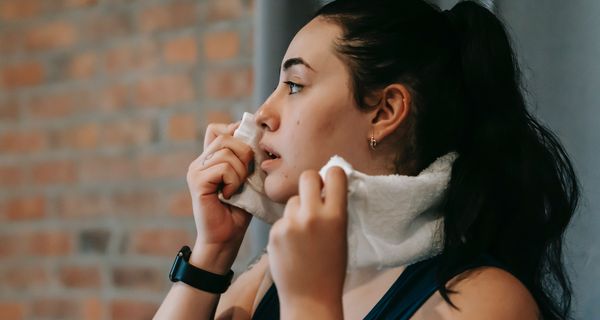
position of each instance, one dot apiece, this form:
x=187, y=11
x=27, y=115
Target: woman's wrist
x=215, y=258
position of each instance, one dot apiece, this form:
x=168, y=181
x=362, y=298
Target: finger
x=209, y=180
x=241, y=150
x=336, y=190
x=226, y=155
x=310, y=189
x=213, y=130
x=291, y=207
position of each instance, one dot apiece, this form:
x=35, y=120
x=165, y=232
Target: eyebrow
x=294, y=61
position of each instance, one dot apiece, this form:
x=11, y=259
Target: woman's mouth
x=271, y=161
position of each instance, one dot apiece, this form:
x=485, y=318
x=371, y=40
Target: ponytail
x=513, y=188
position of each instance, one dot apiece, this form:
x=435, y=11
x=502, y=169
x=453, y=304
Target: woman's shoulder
x=239, y=300
x=487, y=290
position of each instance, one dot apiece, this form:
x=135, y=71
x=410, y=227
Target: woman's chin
x=276, y=191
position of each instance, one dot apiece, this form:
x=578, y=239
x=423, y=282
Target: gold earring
x=372, y=142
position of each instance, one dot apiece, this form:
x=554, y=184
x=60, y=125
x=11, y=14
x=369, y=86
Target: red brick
x=56, y=308
x=182, y=127
x=83, y=65
x=81, y=136
x=221, y=45
x=224, y=9
x=127, y=132
x=11, y=39
x=164, y=90
x=113, y=97
x=79, y=3
x=180, y=204
x=9, y=110
x=53, y=105
x=181, y=50
x=168, y=165
x=217, y=116
x=228, y=83
x=13, y=10
x=138, y=277
x=93, y=309
x=12, y=310
x=80, y=276
x=11, y=176
x=10, y=245
x=25, y=277
x=22, y=142
x=53, y=35
x=132, y=310
x=132, y=56
x=81, y=205
x=102, y=26
x=26, y=208
x=137, y=202
x=170, y=16
x=160, y=242
x=100, y=169
x=54, y=172
x=22, y=74
x=50, y=243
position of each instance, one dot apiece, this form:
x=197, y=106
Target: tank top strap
x=407, y=294
x=416, y=285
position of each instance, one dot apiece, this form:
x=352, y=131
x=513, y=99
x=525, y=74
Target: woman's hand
x=223, y=166
x=308, y=247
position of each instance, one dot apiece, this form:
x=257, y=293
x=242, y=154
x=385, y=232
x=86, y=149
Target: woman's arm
x=222, y=167
x=185, y=302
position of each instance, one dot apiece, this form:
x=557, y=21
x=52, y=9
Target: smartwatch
x=196, y=277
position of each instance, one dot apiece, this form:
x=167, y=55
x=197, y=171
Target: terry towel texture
x=393, y=220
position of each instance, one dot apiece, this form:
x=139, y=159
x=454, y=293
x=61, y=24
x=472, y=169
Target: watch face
x=175, y=267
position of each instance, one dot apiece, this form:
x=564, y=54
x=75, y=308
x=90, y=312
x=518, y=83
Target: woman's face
x=313, y=116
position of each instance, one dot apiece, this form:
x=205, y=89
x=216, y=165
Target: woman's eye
x=294, y=87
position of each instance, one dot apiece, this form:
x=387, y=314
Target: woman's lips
x=273, y=157
x=269, y=164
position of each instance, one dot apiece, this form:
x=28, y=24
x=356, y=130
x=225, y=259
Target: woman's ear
x=392, y=110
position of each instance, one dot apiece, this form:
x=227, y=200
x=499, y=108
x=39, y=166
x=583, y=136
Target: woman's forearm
x=186, y=302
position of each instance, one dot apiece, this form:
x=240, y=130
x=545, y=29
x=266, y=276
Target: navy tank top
x=407, y=294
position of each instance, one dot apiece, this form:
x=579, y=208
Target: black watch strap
x=196, y=277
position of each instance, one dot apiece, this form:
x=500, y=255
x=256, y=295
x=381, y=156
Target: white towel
x=252, y=197
x=393, y=220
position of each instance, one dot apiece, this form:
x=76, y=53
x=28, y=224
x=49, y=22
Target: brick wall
x=103, y=105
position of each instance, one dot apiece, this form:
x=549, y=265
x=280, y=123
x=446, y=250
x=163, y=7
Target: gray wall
x=559, y=48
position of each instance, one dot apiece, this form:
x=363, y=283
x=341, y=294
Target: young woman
x=390, y=86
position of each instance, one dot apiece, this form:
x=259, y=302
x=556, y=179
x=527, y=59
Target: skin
x=306, y=124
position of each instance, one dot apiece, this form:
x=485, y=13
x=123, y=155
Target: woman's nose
x=267, y=117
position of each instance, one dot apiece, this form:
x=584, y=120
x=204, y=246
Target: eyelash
x=292, y=84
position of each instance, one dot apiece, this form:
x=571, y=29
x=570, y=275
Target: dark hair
x=513, y=188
